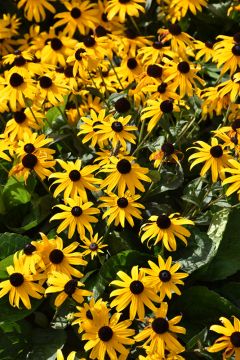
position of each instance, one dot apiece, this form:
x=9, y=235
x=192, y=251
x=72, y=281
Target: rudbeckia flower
x=233, y=179
x=164, y=277
x=230, y=339
x=92, y=246
x=227, y=54
x=35, y=9
x=231, y=87
x=21, y=284
x=154, y=53
x=204, y=50
x=71, y=356
x=181, y=7
x=214, y=156
x=135, y=292
x=32, y=261
x=67, y=286
x=81, y=15
x=121, y=208
x=161, y=334
x=76, y=215
x=76, y=180
x=167, y=153
x=51, y=88
x=123, y=8
x=107, y=336
x=124, y=174
x=57, y=49
x=164, y=228
x=4, y=147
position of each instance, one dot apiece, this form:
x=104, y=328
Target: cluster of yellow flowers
x=112, y=87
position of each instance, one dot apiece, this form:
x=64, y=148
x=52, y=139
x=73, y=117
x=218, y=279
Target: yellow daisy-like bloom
x=4, y=147
x=165, y=228
x=166, y=153
x=104, y=156
x=129, y=70
x=154, y=54
x=89, y=129
x=108, y=336
x=34, y=144
x=164, y=277
x=92, y=246
x=155, y=110
x=9, y=25
x=32, y=260
x=162, y=91
x=22, y=63
x=85, y=313
x=22, y=122
x=57, y=49
x=231, y=87
x=121, y=207
x=17, y=89
x=81, y=15
x=76, y=180
x=181, y=7
x=214, y=156
x=227, y=53
x=234, y=179
x=117, y=130
x=230, y=341
x=71, y=356
x=57, y=258
x=134, y=291
x=204, y=50
x=183, y=76
x=51, y=88
x=123, y=8
x=76, y=215
x=25, y=43
x=124, y=174
x=35, y=9
x=161, y=335
x=21, y=284
x=169, y=355
x=67, y=286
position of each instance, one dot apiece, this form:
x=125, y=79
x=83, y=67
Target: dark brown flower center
x=19, y=61
x=70, y=287
x=29, y=148
x=45, y=82
x=105, y=333
x=100, y=31
x=74, y=175
x=136, y=287
x=29, y=161
x=93, y=246
x=183, y=67
x=19, y=116
x=16, y=279
x=124, y=166
x=216, y=151
x=154, y=71
x=16, y=80
x=89, y=41
x=175, y=29
x=165, y=275
x=162, y=88
x=122, y=202
x=160, y=325
x=29, y=249
x=68, y=71
x=76, y=211
x=236, y=50
x=168, y=149
x=75, y=13
x=89, y=315
x=163, y=222
x=117, y=126
x=56, y=44
x=56, y=256
x=235, y=338
x=157, y=45
x=166, y=106
x=78, y=53
x=122, y=105
x=132, y=63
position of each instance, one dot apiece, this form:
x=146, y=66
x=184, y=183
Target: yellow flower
x=230, y=341
x=227, y=53
x=71, y=356
x=51, y=88
x=76, y=215
x=21, y=284
x=214, y=157
x=234, y=179
x=204, y=50
x=181, y=7
x=134, y=291
x=35, y=9
x=92, y=246
x=123, y=8
x=166, y=153
x=67, y=286
x=164, y=228
x=161, y=335
x=89, y=129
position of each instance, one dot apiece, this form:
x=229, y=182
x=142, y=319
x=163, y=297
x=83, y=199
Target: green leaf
x=154, y=175
x=10, y=313
x=11, y=242
x=45, y=343
x=3, y=265
x=15, y=193
x=231, y=290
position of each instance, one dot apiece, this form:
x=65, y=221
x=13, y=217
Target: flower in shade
x=166, y=229
x=230, y=339
x=121, y=208
x=124, y=174
x=214, y=157
x=161, y=335
x=76, y=180
x=164, y=277
x=92, y=246
x=135, y=292
x=67, y=288
x=76, y=215
x=71, y=356
x=21, y=284
x=167, y=153
x=108, y=336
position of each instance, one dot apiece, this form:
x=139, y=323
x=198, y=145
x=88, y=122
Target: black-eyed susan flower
x=35, y=9
x=121, y=8
x=32, y=260
x=21, y=284
x=233, y=179
x=4, y=147
x=230, y=339
x=161, y=335
x=162, y=91
x=81, y=15
x=76, y=215
x=121, y=208
x=108, y=336
x=154, y=53
x=227, y=54
x=70, y=356
x=129, y=70
x=51, y=88
x=67, y=287
x=124, y=174
x=22, y=63
x=166, y=153
x=89, y=129
x=92, y=246
x=84, y=316
x=230, y=135
x=57, y=50
x=76, y=180
x=164, y=277
x=231, y=87
x=58, y=258
x=117, y=131
x=130, y=42
x=214, y=156
x=181, y=7
x=204, y=50
x=32, y=143
x=165, y=228
x=135, y=292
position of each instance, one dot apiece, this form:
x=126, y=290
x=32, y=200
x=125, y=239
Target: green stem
x=114, y=70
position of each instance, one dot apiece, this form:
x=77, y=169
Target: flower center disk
x=105, y=333
x=160, y=325
x=124, y=166
x=163, y=222
x=136, y=287
x=56, y=256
